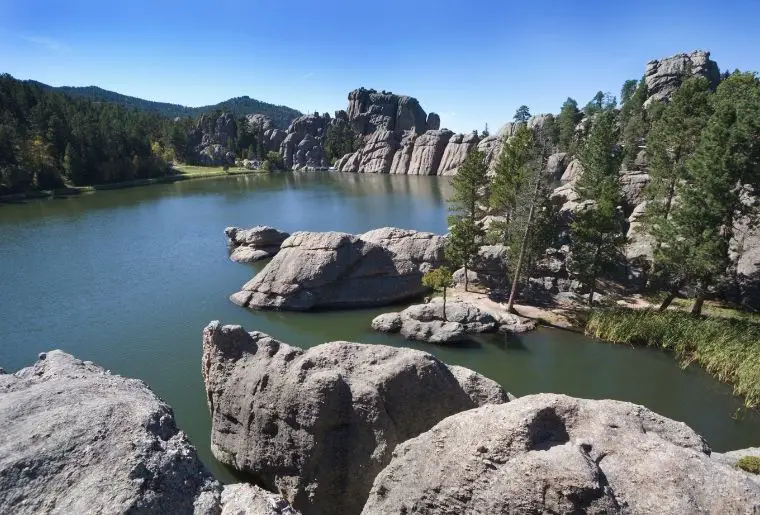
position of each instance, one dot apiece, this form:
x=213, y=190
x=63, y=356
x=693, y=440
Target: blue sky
x=472, y=62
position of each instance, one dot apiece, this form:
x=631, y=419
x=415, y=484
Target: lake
x=129, y=278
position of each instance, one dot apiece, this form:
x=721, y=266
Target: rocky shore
x=345, y=428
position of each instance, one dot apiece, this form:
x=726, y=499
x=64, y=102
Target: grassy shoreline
x=183, y=173
x=728, y=349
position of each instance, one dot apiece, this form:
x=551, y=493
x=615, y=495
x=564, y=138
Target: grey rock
x=663, y=77
x=427, y=322
x=77, y=439
x=246, y=499
x=433, y=122
x=318, y=425
x=369, y=111
x=491, y=148
x=573, y=171
x=556, y=165
x=376, y=156
x=556, y=454
x=254, y=244
x=428, y=151
x=632, y=185
x=332, y=270
x=403, y=156
x=456, y=152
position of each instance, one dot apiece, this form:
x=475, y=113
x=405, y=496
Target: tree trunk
x=593, y=279
x=591, y=295
x=671, y=295
x=523, y=248
x=444, y=304
x=696, y=309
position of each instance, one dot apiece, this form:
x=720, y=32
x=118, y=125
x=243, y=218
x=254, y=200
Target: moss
x=749, y=464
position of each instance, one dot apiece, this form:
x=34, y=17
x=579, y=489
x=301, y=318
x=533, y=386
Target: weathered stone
x=455, y=153
x=318, y=425
x=428, y=151
x=403, y=156
x=488, y=268
x=254, y=244
x=370, y=111
x=663, y=77
x=245, y=499
x=573, y=171
x=387, y=323
x=632, y=185
x=556, y=454
x=433, y=122
x=556, y=165
x=77, y=439
x=330, y=270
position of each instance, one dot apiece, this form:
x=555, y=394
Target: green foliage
x=340, y=139
x=729, y=349
x=438, y=279
x=597, y=231
x=628, y=89
x=522, y=114
x=274, y=161
x=463, y=242
x=48, y=138
x=601, y=102
x=511, y=171
x=568, y=118
x=749, y=464
x=694, y=238
x=467, y=184
x=240, y=106
x=634, y=122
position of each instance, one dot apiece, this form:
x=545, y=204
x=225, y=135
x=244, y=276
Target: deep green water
x=128, y=279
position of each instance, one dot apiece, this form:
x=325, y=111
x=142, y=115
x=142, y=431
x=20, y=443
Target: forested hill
x=239, y=106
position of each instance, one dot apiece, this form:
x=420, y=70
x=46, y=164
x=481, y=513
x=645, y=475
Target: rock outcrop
x=428, y=151
x=428, y=322
x=488, y=268
x=245, y=499
x=663, y=77
x=254, y=244
x=456, y=151
x=77, y=439
x=370, y=111
x=338, y=270
x=318, y=425
x=556, y=454
x=302, y=148
x=212, y=139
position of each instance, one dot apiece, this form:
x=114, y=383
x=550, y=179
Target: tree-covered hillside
x=239, y=106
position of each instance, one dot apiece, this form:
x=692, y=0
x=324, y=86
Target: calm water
x=129, y=278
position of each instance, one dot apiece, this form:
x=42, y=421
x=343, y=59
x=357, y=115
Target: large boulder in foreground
x=76, y=439
x=318, y=425
x=556, y=454
x=338, y=270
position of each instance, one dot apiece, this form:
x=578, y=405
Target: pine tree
x=634, y=122
x=695, y=237
x=522, y=114
x=511, y=171
x=467, y=184
x=439, y=279
x=628, y=89
x=597, y=233
x=568, y=118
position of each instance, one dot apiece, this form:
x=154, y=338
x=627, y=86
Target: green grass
x=727, y=348
x=749, y=464
x=210, y=171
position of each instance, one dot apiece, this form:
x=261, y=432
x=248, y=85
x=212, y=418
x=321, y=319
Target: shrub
x=749, y=464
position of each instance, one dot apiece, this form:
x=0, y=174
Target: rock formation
x=254, y=244
x=334, y=270
x=302, y=147
x=212, y=139
x=455, y=153
x=556, y=454
x=428, y=151
x=663, y=77
x=318, y=425
x=488, y=268
x=370, y=111
x=428, y=323
x=77, y=439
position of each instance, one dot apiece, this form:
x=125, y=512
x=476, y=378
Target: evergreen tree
x=695, y=237
x=467, y=184
x=635, y=123
x=597, y=232
x=628, y=89
x=439, y=279
x=568, y=118
x=511, y=171
x=522, y=114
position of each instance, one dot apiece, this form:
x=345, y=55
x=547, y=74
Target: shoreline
x=213, y=173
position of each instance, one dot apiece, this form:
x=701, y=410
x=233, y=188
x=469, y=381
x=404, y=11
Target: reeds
x=729, y=349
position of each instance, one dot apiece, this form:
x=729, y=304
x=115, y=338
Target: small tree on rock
x=439, y=279
x=522, y=114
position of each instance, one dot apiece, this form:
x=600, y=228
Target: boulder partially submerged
x=340, y=270
x=556, y=454
x=429, y=323
x=254, y=244
x=318, y=425
x=76, y=439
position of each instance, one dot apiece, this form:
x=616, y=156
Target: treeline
x=703, y=148
x=48, y=140
x=239, y=106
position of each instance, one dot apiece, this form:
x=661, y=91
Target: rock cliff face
x=333, y=270
x=212, y=139
x=318, y=425
x=77, y=439
x=455, y=153
x=370, y=111
x=663, y=77
x=302, y=147
x=556, y=454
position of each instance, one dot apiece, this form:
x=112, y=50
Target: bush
x=275, y=160
x=749, y=464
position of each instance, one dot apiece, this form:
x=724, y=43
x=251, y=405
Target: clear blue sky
x=472, y=62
